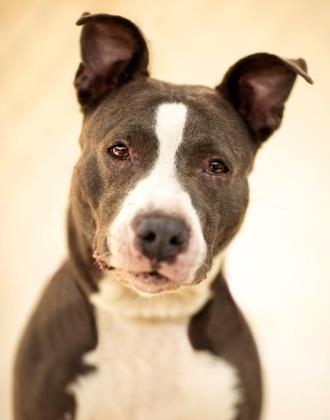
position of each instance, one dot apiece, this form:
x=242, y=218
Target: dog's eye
x=118, y=151
x=217, y=167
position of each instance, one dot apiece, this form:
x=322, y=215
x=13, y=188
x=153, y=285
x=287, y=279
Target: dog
x=139, y=323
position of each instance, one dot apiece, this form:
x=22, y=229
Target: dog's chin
x=145, y=283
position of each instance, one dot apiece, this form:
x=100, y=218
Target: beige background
x=279, y=264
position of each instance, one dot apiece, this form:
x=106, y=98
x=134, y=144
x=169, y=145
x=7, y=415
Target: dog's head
x=161, y=185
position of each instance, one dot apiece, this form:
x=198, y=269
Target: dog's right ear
x=113, y=51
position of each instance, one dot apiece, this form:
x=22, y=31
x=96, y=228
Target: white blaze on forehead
x=161, y=188
x=170, y=124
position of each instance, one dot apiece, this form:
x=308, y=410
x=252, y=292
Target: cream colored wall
x=279, y=264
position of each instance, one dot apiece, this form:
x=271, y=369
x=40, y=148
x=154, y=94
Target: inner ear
x=113, y=51
x=258, y=87
x=261, y=98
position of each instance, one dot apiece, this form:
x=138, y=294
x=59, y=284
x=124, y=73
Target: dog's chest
x=148, y=370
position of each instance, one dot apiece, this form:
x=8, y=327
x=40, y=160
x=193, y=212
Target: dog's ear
x=113, y=51
x=258, y=86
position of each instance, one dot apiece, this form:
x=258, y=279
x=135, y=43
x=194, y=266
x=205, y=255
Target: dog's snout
x=160, y=237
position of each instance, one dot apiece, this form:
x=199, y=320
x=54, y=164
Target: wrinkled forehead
x=153, y=110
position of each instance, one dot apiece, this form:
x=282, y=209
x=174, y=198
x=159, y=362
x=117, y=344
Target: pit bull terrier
x=139, y=323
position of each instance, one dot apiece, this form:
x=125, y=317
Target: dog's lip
x=148, y=282
x=154, y=274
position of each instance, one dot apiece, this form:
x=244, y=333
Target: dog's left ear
x=258, y=86
x=113, y=51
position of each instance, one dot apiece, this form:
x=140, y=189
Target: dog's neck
x=119, y=300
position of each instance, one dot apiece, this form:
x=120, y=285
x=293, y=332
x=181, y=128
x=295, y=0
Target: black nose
x=161, y=237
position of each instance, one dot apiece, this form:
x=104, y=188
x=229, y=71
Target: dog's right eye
x=118, y=151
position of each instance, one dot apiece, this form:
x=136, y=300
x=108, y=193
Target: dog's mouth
x=155, y=275
x=150, y=282
x=145, y=282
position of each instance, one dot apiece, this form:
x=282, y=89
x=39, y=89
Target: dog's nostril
x=175, y=240
x=149, y=237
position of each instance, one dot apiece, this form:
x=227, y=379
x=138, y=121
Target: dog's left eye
x=217, y=167
x=118, y=151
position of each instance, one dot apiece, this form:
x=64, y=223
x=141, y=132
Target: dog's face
x=162, y=179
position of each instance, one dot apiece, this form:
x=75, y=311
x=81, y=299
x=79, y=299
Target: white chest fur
x=147, y=370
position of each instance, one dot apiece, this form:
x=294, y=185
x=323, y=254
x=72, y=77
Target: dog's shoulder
x=60, y=331
x=220, y=328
